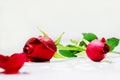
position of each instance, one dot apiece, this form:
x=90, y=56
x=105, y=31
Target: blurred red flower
x=97, y=49
x=39, y=49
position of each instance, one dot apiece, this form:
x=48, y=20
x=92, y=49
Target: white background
x=19, y=19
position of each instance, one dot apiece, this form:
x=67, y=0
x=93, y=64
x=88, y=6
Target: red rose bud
x=12, y=64
x=39, y=49
x=97, y=49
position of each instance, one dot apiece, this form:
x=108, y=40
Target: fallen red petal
x=15, y=62
x=3, y=59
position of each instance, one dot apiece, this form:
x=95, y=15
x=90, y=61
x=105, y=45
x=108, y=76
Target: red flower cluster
x=97, y=49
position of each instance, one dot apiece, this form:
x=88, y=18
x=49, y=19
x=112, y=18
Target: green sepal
x=44, y=33
x=57, y=41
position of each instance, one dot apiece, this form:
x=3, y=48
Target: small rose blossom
x=97, y=49
x=40, y=49
x=12, y=64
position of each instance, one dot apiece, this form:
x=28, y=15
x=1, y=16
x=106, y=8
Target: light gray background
x=18, y=22
x=19, y=19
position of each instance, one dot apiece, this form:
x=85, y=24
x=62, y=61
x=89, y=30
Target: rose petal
x=33, y=41
x=15, y=62
x=30, y=44
x=3, y=59
x=42, y=53
x=48, y=42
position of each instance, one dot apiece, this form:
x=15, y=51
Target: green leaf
x=112, y=42
x=69, y=50
x=81, y=54
x=89, y=36
x=67, y=53
x=57, y=55
x=57, y=41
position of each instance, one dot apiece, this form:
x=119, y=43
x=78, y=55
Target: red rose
x=39, y=49
x=97, y=49
x=12, y=64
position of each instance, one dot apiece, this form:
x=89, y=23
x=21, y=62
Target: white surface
x=19, y=18
x=69, y=69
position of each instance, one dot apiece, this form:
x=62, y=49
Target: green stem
x=87, y=42
x=115, y=52
x=108, y=59
x=81, y=48
x=78, y=48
